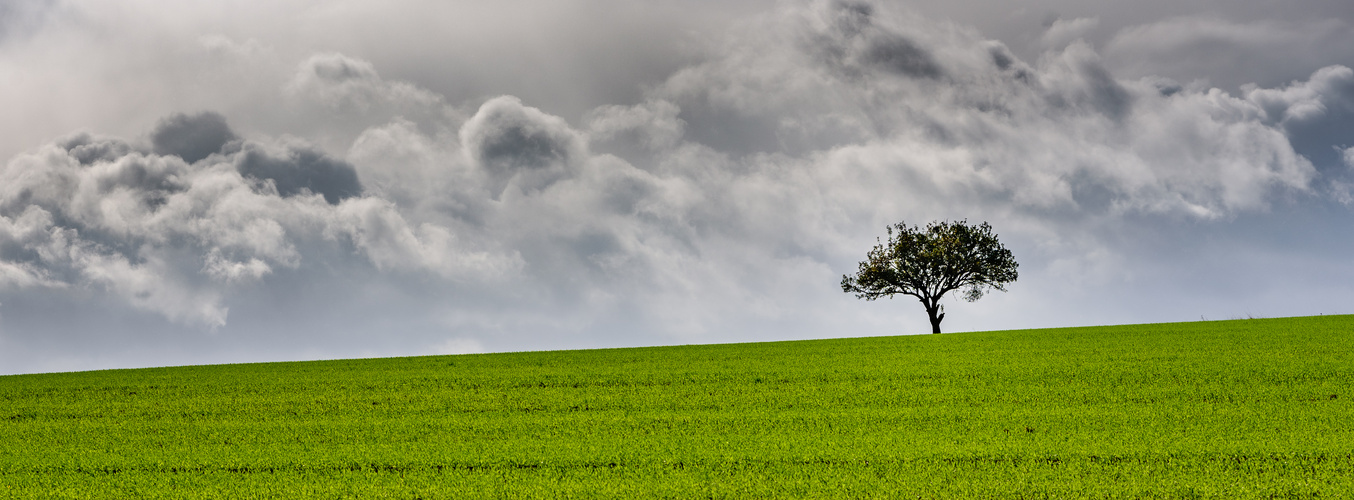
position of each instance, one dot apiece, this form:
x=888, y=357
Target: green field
x=1222, y=409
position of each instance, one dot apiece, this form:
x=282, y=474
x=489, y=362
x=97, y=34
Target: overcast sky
x=208, y=182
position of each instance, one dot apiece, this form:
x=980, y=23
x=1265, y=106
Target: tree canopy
x=931, y=262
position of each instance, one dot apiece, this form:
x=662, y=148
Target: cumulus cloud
x=344, y=82
x=172, y=237
x=298, y=169
x=1329, y=91
x=1059, y=133
x=400, y=163
x=519, y=146
x=191, y=137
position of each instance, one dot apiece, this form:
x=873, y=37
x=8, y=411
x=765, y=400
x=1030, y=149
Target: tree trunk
x=933, y=311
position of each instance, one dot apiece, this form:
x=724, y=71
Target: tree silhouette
x=929, y=263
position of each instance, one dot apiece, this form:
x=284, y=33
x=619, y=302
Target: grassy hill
x=1224, y=409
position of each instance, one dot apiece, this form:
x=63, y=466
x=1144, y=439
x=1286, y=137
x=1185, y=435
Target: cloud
x=459, y=345
x=1329, y=90
x=299, y=169
x=399, y=162
x=519, y=146
x=350, y=84
x=224, y=270
x=1341, y=188
x=1316, y=114
x=22, y=19
x=1230, y=53
x=174, y=237
x=1059, y=134
x=1064, y=31
x=852, y=40
x=225, y=48
x=191, y=137
x=652, y=126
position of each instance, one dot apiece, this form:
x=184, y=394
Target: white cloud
x=1064, y=31
x=347, y=83
x=174, y=238
x=1328, y=89
x=383, y=234
x=231, y=272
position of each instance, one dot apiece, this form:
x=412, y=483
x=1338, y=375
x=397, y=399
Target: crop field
x=1222, y=409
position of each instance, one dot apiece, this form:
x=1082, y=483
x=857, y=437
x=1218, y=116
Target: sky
x=222, y=182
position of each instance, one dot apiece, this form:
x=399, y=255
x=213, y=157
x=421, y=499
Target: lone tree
x=929, y=263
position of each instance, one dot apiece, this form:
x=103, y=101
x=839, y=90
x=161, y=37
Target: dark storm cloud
x=191, y=137
x=519, y=145
x=899, y=54
x=87, y=149
x=1001, y=56
x=855, y=42
x=300, y=169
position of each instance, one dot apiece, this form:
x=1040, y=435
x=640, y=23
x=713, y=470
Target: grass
x=1223, y=409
